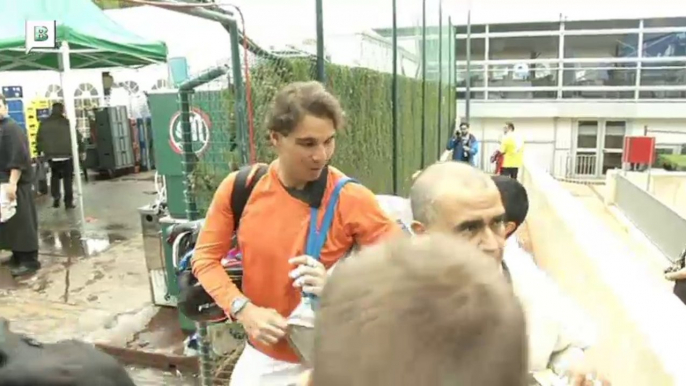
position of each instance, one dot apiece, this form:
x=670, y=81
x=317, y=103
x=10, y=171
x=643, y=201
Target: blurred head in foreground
x=429, y=310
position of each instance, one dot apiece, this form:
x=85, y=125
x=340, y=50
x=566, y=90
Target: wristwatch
x=237, y=305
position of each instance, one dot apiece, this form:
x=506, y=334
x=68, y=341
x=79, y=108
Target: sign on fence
x=200, y=131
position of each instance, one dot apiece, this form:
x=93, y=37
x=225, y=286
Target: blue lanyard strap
x=316, y=238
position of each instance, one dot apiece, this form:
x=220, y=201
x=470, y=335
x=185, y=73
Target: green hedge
x=676, y=162
x=364, y=149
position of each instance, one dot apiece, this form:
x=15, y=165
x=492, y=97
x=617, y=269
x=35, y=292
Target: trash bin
x=154, y=256
x=172, y=285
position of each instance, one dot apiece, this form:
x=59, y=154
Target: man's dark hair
x=464, y=124
x=299, y=99
x=515, y=199
x=510, y=125
x=57, y=109
x=425, y=310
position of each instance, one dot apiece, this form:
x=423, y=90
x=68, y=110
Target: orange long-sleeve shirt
x=273, y=229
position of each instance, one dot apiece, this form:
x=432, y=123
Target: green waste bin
x=213, y=133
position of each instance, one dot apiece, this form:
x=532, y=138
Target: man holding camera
x=463, y=144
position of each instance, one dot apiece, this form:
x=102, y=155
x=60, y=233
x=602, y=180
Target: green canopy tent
x=86, y=38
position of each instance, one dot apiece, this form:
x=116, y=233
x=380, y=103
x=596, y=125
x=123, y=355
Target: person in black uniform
x=19, y=234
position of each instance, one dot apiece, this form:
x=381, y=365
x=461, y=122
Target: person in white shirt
x=456, y=198
x=558, y=332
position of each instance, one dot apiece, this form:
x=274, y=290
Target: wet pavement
x=94, y=284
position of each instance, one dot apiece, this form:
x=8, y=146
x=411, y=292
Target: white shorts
x=256, y=369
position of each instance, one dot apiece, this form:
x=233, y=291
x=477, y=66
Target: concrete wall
x=668, y=187
x=638, y=321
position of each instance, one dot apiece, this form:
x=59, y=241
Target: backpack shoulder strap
x=242, y=188
x=317, y=237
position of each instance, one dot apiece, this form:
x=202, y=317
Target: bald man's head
x=454, y=197
x=440, y=179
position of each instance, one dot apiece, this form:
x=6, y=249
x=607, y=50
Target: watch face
x=237, y=305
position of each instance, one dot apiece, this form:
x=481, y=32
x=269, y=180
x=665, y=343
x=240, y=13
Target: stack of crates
x=15, y=104
x=37, y=110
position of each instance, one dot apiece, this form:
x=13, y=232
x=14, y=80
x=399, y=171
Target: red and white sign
x=200, y=131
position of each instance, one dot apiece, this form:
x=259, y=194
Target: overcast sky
x=276, y=23
x=285, y=20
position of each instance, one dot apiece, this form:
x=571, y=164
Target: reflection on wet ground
x=74, y=243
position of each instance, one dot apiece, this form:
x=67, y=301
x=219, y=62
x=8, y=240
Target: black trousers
x=510, y=172
x=20, y=233
x=64, y=171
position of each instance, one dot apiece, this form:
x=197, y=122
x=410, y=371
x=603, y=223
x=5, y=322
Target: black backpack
x=193, y=301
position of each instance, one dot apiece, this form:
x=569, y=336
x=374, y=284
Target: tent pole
x=67, y=90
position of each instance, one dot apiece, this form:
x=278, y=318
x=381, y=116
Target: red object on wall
x=639, y=150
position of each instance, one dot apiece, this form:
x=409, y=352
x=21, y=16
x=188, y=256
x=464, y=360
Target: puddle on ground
x=74, y=243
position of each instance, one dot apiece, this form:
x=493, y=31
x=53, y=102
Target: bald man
x=456, y=198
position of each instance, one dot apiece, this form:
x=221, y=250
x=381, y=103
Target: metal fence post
x=192, y=213
x=237, y=75
x=468, y=81
x=188, y=160
x=452, y=101
x=321, y=73
x=423, y=82
x=439, y=140
x=394, y=102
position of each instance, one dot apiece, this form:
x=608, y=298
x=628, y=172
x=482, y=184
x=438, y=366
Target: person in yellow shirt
x=512, y=149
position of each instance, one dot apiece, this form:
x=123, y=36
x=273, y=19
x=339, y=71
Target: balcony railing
x=653, y=78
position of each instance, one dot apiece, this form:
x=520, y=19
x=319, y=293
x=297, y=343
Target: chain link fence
x=392, y=68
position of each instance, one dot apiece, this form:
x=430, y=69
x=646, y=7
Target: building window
x=614, y=135
x=663, y=74
x=601, y=46
x=461, y=94
x=613, y=145
x=86, y=99
x=524, y=27
x=161, y=84
x=601, y=24
x=587, y=135
x=665, y=22
x=524, y=47
x=477, y=49
x=130, y=86
x=54, y=93
x=664, y=44
x=599, y=74
x=522, y=74
x=476, y=75
x=476, y=29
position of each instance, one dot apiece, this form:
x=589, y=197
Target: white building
x=574, y=87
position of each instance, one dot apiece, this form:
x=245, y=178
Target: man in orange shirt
x=302, y=124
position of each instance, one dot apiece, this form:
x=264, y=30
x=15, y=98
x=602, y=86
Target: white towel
x=7, y=207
